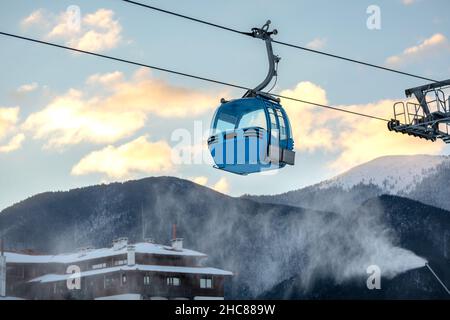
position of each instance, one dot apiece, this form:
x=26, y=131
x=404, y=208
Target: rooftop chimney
x=174, y=231
x=177, y=243
x=131, y=255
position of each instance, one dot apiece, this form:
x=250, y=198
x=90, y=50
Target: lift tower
x=429, y=118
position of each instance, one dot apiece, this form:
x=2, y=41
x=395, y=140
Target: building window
x=120, y=262
x=106, y=282
x=172, y=281
x=109, y=282
x=99, y=266
x=147, y=280
x=124, y=278
x=206, y=283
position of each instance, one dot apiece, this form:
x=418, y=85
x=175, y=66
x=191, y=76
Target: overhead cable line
x=280, y=42
x=438, y=279
x=183, y=74
x=355, y=61
x=140, y=4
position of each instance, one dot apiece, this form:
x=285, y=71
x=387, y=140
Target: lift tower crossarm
x=427, y=119
x=420, y=93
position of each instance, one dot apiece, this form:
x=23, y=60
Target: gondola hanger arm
x=263, y=33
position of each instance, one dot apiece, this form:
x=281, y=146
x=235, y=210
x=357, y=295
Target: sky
x=70, y=120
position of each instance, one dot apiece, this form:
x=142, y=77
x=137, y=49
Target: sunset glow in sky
x=70, y=120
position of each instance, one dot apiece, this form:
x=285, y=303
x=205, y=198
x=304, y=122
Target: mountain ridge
x=264, y=244
x=209, y=221
x=410, y=176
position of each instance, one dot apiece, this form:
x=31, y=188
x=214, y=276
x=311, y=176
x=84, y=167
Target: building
x=2, y=271
x=124, y=271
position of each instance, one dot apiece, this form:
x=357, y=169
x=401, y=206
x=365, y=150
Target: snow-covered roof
x=151, y=268
x=125, y=296
x=144, y=247
x=11, y=298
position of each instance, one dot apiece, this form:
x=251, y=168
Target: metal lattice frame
x=428, y=118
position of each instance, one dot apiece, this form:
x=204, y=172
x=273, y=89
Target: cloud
x=105, y=79
x=408, y=2
x=104, y=32
x=73, y=118
x=350, y=139
x=27, y=88
x=135, y=157
x=201, y=180
x=317, y=43
x=8, y=120
x=221, y=185
x=434, y=45
x=14, y=144
x=307, y=121
x=35, y=18
x=117, y=109
x=158, y=97
x=361, y=140
x=98, y=31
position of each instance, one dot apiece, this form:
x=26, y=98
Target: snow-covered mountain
x=423, y=178
x=398, y=175
x=262, y=244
